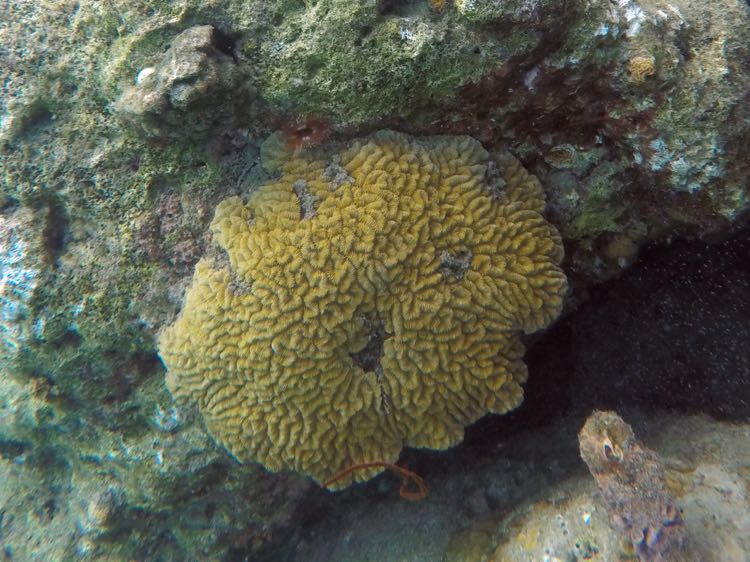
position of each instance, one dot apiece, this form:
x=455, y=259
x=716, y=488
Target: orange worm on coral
x=406, y=475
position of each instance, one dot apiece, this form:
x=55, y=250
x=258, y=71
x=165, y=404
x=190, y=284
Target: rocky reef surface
x=124, y=124
x=534, y=500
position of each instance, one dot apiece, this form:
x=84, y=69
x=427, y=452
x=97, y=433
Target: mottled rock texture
x=633, y=484
x=193, y=90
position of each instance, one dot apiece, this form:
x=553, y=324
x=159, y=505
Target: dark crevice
x=363, y=34
x=50, y=508
x=397, y=8
x=55, y=230
x=386, y=7
x=368, y=359
x=669, y=334
x=8, y=204
x=12, y=448
x=224, y=43
x=70, y=338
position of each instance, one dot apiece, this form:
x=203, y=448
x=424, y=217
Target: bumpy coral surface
x=369, y=301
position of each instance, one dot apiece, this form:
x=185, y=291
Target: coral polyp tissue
x=640, y=67
x=366, y=300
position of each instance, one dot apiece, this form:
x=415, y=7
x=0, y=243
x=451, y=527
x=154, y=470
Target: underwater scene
x=375, y=280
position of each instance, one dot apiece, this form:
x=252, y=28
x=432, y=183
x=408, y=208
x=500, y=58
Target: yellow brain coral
x=366, y=302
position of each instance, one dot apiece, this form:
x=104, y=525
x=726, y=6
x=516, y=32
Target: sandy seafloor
x=538, y=503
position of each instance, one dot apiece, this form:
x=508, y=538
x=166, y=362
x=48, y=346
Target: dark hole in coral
x=127, y=374
x=70, y=338
x=12, y=448
x=224, y=43
x=135, y=162
x=368, y=358
x=682, y=41
x=38, y=114
x=477, y=50
x=363, y=33
x=210, y=510
x=207, y=479
x=144, y=364
x=237, y=554
x=112, y=399
x=454, y=264
x=50, y=458
x=8, y=204
x=313, y=65
x=54, y=230
x=386, y=7
x=50, y=508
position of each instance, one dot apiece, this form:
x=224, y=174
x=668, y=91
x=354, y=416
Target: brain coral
x=366, y=301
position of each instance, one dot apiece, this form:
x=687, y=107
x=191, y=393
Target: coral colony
x=345, y=319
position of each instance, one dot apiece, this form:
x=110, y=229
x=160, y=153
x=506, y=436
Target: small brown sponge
x=370, y=300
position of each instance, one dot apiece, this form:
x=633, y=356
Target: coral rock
x=192, y=90
x=631, y=480
x=388, y=317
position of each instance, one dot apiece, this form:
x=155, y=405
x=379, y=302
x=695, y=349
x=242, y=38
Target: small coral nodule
x=437, y=5
x=345, y=321
x=640, y=67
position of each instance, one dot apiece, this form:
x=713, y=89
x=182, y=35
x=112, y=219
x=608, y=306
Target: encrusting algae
x=366, y=301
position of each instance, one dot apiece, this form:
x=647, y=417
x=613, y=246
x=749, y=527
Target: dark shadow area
x=672, y=333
